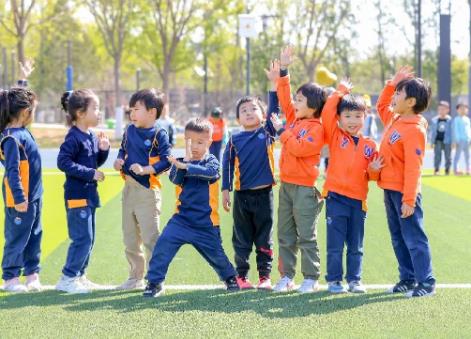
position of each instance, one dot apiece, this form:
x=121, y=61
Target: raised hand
x=286, y=56
x=26, y=69
x=405, y=72
x=103, y=142
x=345, y=86
x=273, y=74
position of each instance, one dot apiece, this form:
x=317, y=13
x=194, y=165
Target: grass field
x=214, y=313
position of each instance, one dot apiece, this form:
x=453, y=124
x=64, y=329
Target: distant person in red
x=219, y=131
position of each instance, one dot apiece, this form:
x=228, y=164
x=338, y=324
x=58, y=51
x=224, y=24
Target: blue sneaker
x=336, y=287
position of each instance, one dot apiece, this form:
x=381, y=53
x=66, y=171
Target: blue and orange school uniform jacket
x=20, y=156
x=197, y=193
x=145, y=146
x=79, y=157
x=302, y=141
x=348, y=173
x=403, y=148
x=250, y=155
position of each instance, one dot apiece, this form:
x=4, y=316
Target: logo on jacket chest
x=344, y=142
x=394, y=137
x=89, y=147
x=302, y=133
x=368, y=151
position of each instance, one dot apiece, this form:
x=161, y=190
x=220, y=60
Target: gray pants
x=439, y=148
x=461, y=146
x=298, y=214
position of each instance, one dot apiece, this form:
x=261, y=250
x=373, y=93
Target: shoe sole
x=431, y=294
x=158, y=294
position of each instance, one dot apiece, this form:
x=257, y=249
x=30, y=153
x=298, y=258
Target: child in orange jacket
x=353, y=161
x=300, y=203
x=403, y=145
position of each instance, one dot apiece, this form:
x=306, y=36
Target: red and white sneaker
x=244, y=283
x=264, y=283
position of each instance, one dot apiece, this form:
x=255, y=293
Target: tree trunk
x=117, y=75
x=20, y=46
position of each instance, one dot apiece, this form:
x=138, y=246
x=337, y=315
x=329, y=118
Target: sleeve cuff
x=284, y=72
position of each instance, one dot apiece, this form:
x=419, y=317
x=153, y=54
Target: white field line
x=215, y=287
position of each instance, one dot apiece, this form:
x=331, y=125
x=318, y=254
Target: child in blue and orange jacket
x=403, y=146
x=141, y=159
x=80, y=155
x=300, y=203
x=196, y=220
x=353, y=161
x=22, y=188
x=250, y=154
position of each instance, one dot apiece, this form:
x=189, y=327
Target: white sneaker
x=132, y=284
x=14, y=286
x=285, y=284
x=356, y=287
x=88, y=284
x=32, y=283
x=309, y=286
x=71, y=285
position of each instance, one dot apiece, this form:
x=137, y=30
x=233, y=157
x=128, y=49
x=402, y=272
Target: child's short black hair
x=76, y=101
x=150, y=98
x=249, y=98
x=199, y=125
x=13, y=102
x=351, y=103
x=316, y=97
x=418, y=89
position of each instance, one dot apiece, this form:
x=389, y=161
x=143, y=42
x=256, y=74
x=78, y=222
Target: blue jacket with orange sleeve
x=197, y=192
x=79, y=157
x=20, y=156
x=403, y=148
x=250, y=155
x=145, y=146
x=348, y=171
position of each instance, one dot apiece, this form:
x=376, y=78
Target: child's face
x=92, y=115
x=200, y=142
x=352, y=121
x=401, y=104
x=250, y=115
x=141, y=117
x=462, y=110
x=443, y=110
x=301, y=109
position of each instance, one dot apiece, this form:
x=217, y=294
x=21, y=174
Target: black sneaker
x=403, y=286
x=153, y=290
x=231, y=284
x=422, y=290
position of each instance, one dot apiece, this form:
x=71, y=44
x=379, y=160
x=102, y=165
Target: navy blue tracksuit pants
x=408, y=239
x=81, y=226
x=207, y=242
x=23, y=233
x=215, y=149
x=345, y=225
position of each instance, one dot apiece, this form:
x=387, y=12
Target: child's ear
x=153, y=111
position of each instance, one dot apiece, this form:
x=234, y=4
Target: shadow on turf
x=266, y=304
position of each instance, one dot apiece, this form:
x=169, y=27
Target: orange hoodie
x=301, y=141
x=403, y=148
x=219, y=125
x=348, y=171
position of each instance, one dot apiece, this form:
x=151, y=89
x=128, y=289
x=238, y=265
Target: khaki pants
x=298, y=214
x=141, y=220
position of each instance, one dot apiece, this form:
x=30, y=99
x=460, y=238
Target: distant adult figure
x=440, y=138
x=461, y=137
x=370, y=129
x=168, y=124
x=219, y=131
